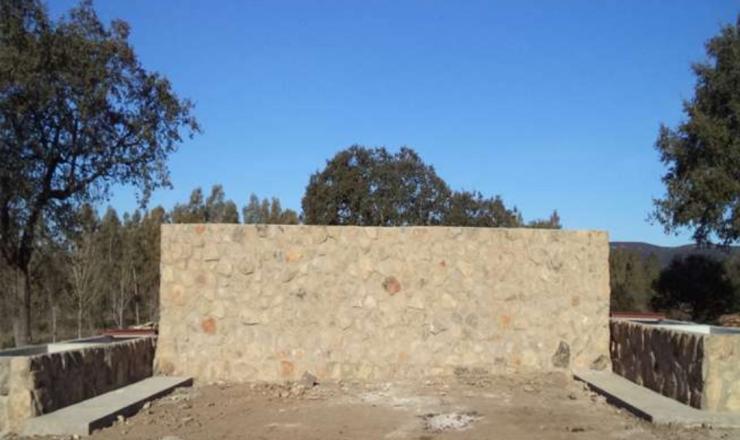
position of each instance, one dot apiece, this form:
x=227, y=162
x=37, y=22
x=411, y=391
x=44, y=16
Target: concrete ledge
x=652, y=406
x=101, y=411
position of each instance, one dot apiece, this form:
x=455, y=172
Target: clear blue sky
x=551, y=104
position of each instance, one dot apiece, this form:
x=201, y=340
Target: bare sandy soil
x=545, y=407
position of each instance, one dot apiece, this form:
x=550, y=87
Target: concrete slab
x=652, y=406
x=84, y=417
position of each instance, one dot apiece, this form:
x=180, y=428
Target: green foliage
x=87, y=258
x=113, y=269
x=149, y=239
x=686, y=284
x=373, y=187
x=268, y=212
x=631, y=280
x=696, y=285
x=466, y=208
x=214, y=209
x=703, y=153
x=732, y=268
x=192, y=212
x=78, y=114
x=103, y=272
x=551, y=223
x=218, y=209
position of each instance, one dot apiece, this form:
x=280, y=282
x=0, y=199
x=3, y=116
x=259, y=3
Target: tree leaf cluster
x=103, y=271
x=692, y=287
x=268, y=211
x=216, y=208
x=631, y=278
x=374, y=187
x=702, y=154
x=697, y=287
x=213, y=209
x=78, y=115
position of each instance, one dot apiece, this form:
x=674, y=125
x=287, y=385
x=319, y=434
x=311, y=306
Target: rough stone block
x=4, y=377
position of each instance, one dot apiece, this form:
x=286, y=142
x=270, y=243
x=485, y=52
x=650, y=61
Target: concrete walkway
x=84, y=417
x=653, y=406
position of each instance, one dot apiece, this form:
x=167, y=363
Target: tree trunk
x=54, y=323
x=79, y=321
x=22, y=318
x=137, y=298
x=52, y=314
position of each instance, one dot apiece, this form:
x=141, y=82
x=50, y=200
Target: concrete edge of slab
x=133, y=407
x=102, y=411
x=652, y=406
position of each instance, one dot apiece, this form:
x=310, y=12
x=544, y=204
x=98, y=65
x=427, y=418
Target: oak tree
x=78, y=114
x=703, y=153
x=373, y=187
x=695, y=285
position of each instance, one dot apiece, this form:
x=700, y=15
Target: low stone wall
x=701, y=370
x=247, y=303
x=41, y=383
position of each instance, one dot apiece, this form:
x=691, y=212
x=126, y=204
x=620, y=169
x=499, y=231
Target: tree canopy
x=371, y=186
x=696, y=285
x=374, y=187
x=466, y=208
x=631, y=278
x=703, y=153
x=78, y=114
x=103, y=270
x=213, y=209
x=268, y=211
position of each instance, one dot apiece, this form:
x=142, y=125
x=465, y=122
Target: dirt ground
x=543, y=407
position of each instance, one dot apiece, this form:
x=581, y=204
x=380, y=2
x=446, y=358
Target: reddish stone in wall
x=175, y=295
x=392, y=285
x=504, y=322
x=293, y=256
x=208, y=325
x=287, y=368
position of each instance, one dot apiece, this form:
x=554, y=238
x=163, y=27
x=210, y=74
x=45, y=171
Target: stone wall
x=701, y=370
x=669, y=362
x=722, y=373
x=41, y=383
x=247, y=303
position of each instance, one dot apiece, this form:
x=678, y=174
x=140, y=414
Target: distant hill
x=666, y=254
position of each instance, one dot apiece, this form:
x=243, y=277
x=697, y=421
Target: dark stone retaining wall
x=41, y=383
x=701, y=370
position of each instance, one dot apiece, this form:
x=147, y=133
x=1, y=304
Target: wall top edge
x=683, y=328
x=657, y=327
x=34, y=351
x=186, y=226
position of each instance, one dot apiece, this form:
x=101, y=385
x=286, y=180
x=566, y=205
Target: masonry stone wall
x=669, y=362
x=41, y=383
x=249, y=303
x=698, y=369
